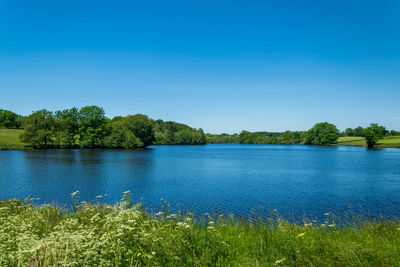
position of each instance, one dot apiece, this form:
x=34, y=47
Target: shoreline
x=125, y=234
x=29, y=148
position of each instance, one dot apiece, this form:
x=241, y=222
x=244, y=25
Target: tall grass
x=126, y=235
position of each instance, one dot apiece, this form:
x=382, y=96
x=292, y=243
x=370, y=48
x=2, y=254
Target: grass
x=9, y=139
x=126, y=235
x=389, y=141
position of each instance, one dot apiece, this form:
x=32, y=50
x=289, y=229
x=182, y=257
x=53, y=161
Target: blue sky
x=224, y=66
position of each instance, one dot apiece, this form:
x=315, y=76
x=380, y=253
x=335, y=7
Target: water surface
x=226, y=178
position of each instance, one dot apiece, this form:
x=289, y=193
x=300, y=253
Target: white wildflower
x=300, y=235
x=74, y=193
x=280, y=261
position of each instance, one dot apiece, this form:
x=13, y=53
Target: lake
x=224, y=178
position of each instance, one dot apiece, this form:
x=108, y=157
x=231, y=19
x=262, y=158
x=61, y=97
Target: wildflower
x=280, y=261
x=153, y=253
x=300, y=235
x=95, y=216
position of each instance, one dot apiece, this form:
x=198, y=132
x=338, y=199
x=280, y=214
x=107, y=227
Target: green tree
x=288, y=138
x=359, y=131
x=39, y=129
x=201, y=138
x=121, y=137
x=373, y=134
x=9, y=119
x=349, y=132
x=379, y=131
x=322, y=133
x=141, y=126
x=245, y=137
x=68, y=126
x=92, y=126
x=370, y=138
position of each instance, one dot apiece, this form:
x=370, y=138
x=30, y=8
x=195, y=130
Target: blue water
x=238, y=179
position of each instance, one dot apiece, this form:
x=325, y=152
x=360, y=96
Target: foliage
x=40, y=128
x=92, y=129
x=87, y=127
x=122, y=137
x=286, y=138
x=322, y=133
x=68, y=127
x=349, y=132
x=374, y=133
x=222, y=138
x=359, y=131
x=126, y=235
x=173, y=133
x=9, y=119
x=141, y=127
x=370, y=137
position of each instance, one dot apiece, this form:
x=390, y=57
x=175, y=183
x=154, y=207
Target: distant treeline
x=246, y=137
x=88, y=127
x=321, y=134
x=360, y=131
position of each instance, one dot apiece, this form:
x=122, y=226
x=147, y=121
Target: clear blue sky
x=224, y=66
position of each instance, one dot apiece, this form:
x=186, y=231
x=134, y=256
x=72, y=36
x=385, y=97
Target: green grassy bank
x=9, y=139
x=389, y=141
x=125, y=235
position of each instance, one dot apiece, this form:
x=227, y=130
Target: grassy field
x=389, y=141
x=126, y=235
x=9, y=139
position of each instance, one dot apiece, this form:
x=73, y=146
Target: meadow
x=127, y=235
x=388, y=141
x=9, y=139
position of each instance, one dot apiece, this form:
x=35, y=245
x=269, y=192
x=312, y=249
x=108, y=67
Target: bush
x=322, y=133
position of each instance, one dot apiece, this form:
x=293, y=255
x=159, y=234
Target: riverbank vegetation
x=88, y=127
x=127, y=235
x=321, y=134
